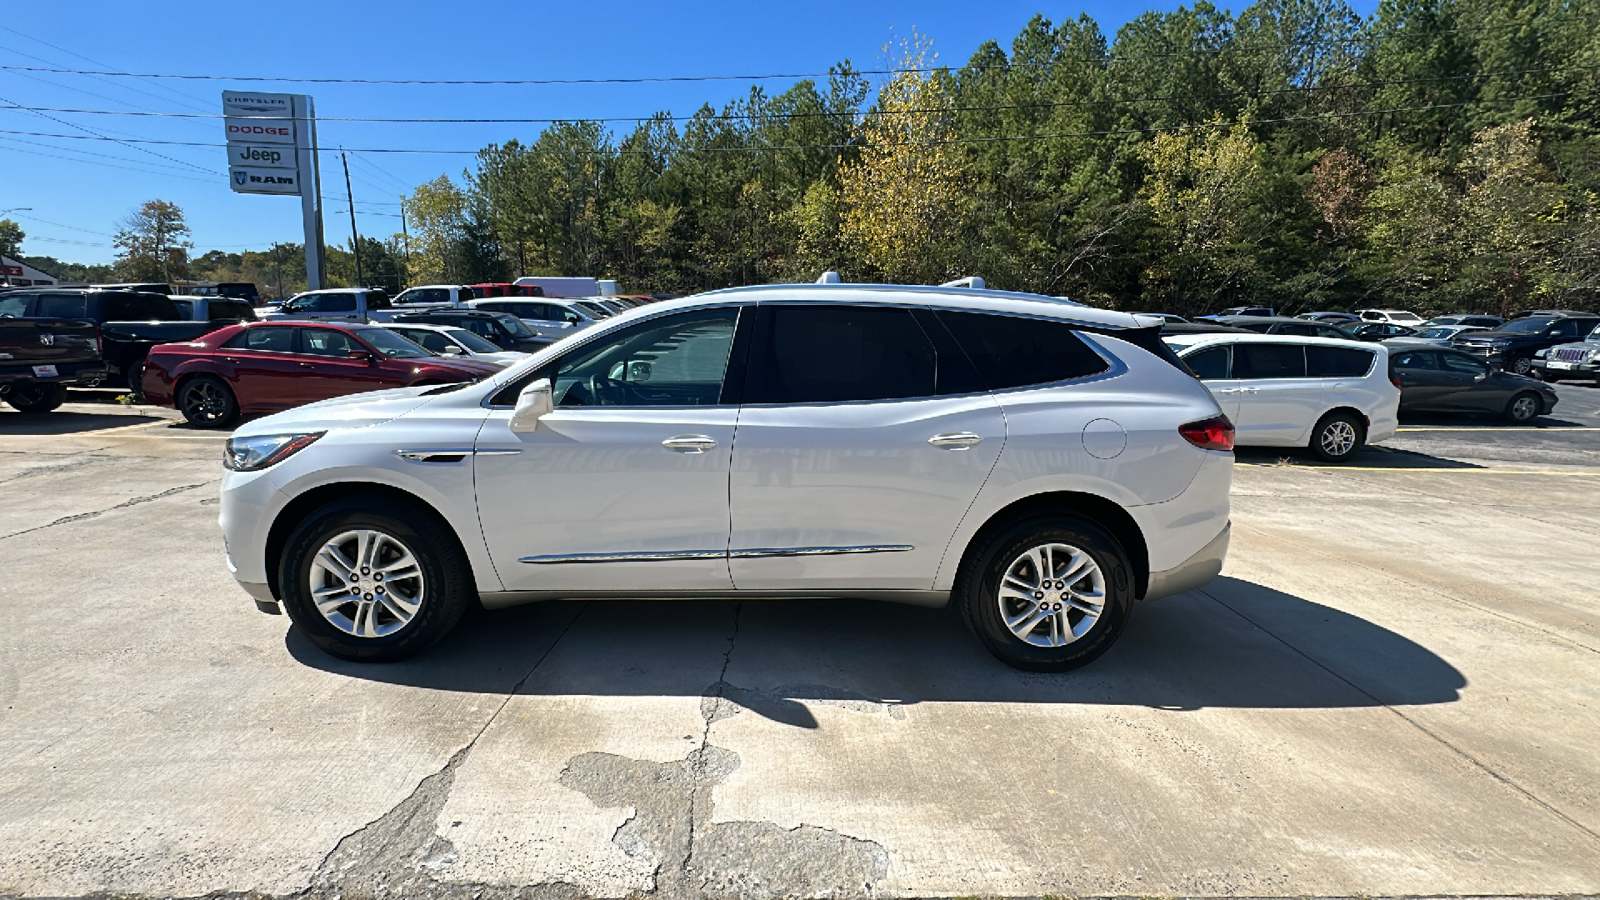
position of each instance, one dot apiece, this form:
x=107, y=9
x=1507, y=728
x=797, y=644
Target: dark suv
x=501, y=329
x=1511, y=346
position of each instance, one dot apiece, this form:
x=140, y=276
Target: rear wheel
x=1048, y=593
x=134, y=374
x=206, y=401
x=36, y=397
x=373, y=581
x=1521, y=365
x=1337, y=437
x=1524, y=408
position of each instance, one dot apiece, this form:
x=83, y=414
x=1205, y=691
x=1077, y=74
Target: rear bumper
x=1194, y=571
x=69, y=373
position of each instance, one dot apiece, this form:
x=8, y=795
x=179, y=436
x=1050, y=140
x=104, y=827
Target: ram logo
x=49, y=340
x=239, y=177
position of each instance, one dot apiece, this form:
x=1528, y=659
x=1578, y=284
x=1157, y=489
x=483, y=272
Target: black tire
x=443, y=585
x=985, y=610
x=206, y=401
x=1337, y=437
x=1524, y=408
x=1520, y=365
x=36, y=396
x=134, y=375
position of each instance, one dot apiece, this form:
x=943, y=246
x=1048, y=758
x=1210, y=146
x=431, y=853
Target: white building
x=16, y=273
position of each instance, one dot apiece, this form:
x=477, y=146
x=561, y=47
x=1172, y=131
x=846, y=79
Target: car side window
x=431, y=341
x=1416, y=360
x=1208, y=364
x=1269, y=361
x=838, y=354
x=679, y=360
x=1338, y=362
x=336, y=303
x=1293, y=328
x=327, y=342
x=1015, y=351
x=271, y=339
x=1467, y=365
x=62, y=306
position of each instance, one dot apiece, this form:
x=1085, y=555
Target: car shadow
x=1464, y=420
x=60, y=422
x=1233, y=644
x=1370, y=456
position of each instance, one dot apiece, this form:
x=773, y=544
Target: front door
x=623, y=487
x=850, y=470
x=328, y=371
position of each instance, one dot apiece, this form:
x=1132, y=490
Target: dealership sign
x=272, y=149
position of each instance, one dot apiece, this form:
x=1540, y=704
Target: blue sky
x=78, y=190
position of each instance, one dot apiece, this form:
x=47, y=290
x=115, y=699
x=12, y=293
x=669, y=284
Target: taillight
x=1395, y=380
x=98, y=347
x=1215, y=433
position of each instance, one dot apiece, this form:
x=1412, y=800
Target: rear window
x=62, y=306
x=1012, y=351
x=271, y=339
x=1269, y=361
x=1338, y=362
x=139, y=308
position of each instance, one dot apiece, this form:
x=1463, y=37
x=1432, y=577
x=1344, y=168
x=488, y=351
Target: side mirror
x=358, y=354
x=452, y=350
x=533, y=404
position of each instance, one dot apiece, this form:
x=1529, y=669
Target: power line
x=970, y=140
x=60, y=149
x=762, y=115
x=130, y=142
x=174, y=92
x=59, y=225
x=91, y=162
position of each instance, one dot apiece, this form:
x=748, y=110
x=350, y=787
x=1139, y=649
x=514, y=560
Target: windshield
x=392, y=345
x=1404, y=317
x=593, y=307
x=1436, y=333
x=514, y=325
x=471, y=341
x=1527, y=326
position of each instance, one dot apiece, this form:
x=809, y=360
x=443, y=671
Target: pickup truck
x=129, y=322
x=368, y=304
x=39, y=358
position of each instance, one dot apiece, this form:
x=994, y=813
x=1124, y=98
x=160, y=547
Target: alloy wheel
x=1052, y=595
x=1338, y=438
x=204, y=401
x=1524, y=408
x=366, y=583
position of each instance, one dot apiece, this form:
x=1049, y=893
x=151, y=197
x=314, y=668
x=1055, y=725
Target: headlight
x=1541, y=354
x=251, y=454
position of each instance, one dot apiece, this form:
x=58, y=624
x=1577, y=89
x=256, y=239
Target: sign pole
x=310, y=189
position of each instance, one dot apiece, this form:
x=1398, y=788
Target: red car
x=261, y=367
x=501, y=289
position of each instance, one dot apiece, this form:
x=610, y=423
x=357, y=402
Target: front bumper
x=1192, y=572
x=1589, y=369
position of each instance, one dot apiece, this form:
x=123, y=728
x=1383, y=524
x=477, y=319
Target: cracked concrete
x=1352, y=711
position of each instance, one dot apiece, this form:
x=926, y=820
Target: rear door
x=1279, y=403
x=261, y=365
x=1423, y=384
x=860, y=447
x=1213, y=366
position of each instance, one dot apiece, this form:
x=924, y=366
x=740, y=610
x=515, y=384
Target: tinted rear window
x=139, y=308
x=1269, y=361
x=271, y=339
x=62, y=306
x=1210, y=363
x=1012, y=351
x=1338, y=362
x=836, y=354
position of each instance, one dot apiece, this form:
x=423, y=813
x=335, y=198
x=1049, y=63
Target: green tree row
x=1444, y=153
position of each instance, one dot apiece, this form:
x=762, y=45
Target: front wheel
x=1337, y=437
x=1047, y=594
x=1521, y=365
x=373, y=581
x=36, y=397
x=1524, y=408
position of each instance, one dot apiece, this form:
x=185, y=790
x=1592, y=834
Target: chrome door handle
x=956, y=440
x=689, y=443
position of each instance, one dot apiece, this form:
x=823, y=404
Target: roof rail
x=971, y=281
x=828, y=277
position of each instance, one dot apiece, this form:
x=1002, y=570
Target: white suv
x=1041, y=464
x=1328, y=395
x=1392, y=316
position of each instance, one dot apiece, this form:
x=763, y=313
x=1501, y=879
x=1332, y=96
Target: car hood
x=1489, y=336
x=349, y=411
x=1511, y=380
x=477, y=368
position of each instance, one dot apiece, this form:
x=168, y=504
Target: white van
x=1326, y=395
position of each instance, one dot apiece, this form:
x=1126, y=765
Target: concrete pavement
x=1391, y=691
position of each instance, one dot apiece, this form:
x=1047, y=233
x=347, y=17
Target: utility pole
x=405, y=237
x=355, y=238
